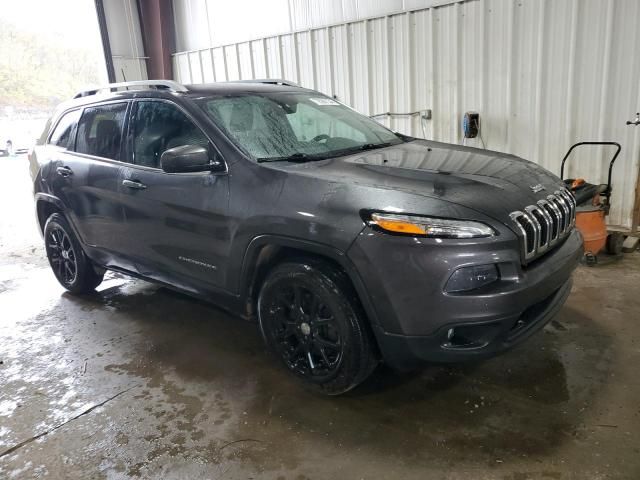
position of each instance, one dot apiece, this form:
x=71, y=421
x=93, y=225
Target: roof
x=164, y=88
x=269, y=84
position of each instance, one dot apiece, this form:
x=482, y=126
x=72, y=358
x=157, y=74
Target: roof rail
x=272, y=81
x=158, y=84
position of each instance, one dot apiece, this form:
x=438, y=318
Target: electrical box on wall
x=471, y=124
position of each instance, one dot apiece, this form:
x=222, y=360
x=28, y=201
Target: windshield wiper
x=372, y=146
x=296, y=157
x=303, y=157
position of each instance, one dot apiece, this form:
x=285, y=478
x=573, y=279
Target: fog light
x=471, y=278
x=468, y=337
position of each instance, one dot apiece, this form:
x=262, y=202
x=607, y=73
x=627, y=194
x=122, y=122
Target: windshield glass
x=295, y=126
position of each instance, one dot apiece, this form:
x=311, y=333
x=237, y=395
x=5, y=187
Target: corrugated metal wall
x=543, y=74
x=210, y=23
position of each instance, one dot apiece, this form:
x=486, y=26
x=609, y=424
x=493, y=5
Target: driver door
x=177, y=223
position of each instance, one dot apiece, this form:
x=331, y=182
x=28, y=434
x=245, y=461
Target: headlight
x=430, y=226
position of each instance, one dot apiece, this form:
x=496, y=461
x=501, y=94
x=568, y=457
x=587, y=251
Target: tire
x=311, y=319
x=71, y=267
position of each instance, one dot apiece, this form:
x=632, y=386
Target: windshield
x=295, y=126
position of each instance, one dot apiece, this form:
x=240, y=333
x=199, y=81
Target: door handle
x=134, y=184
x=64, y=171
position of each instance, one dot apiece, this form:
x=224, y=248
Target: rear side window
x=100, y=130
x=63, y=134
x=159, y=126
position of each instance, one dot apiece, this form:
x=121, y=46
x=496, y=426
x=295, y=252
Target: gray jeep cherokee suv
x=349, y=243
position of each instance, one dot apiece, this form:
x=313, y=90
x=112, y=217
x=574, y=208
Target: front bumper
x=415, y=318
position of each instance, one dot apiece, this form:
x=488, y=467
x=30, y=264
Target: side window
x=63, y=134
x=100, y=130
x=159, y=126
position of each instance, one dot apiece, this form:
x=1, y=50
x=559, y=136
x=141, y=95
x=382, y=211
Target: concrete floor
x=140, y=382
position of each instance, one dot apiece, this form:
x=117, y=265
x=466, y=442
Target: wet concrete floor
x=139, y=382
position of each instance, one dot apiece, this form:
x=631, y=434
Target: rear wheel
x=70, y=265
x=311, y=319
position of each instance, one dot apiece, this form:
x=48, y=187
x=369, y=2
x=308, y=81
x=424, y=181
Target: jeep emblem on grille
x=537, y=188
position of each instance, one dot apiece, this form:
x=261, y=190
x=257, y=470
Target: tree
x=38, y=72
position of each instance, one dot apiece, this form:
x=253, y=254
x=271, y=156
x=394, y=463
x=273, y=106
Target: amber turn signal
x=396, y=225
x=429, y=226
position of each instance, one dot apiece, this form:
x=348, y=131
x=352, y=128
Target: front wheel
x=311, y=319
x=70, y=265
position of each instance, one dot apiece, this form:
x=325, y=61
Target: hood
x=492, y=183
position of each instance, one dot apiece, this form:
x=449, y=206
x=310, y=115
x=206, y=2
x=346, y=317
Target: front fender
x=259, y=242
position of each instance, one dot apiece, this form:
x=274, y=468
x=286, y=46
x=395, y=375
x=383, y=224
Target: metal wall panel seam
x=604, y=86
x=190, y=69
x=130, y=30
x=289, y=9
x=459, y=74
x=388, y=26
x=482, y=100
x=629, y=194
x=332, y=67
x=238, y=61
x=367, y=43
x=569, y=108
x=251, y=64
x=350, y=63
x=434, y=61
x=296, y=56
x=312, y=46
x=411, y=87
x=206, y=9
x=224, y=63
x=282, y=75
x=213, y=65
x=201, y=64
x=635, y=165
x=265, y=55
x=539, y=93
x=511, y=77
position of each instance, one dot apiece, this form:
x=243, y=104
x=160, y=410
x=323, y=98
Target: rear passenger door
x=99, y=143
x=87, y=177
x=177, y=224
x=62, y=173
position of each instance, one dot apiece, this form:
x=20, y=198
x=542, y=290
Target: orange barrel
x=590, y=222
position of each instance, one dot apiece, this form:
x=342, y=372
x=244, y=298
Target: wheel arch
x=47, y=205
x=266, y=251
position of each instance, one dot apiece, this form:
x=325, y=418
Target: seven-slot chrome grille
x=544, y=224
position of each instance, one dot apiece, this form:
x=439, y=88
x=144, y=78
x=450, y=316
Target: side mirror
x=189, y=159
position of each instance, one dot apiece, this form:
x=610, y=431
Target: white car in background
x=8, y=149
x=19, y=130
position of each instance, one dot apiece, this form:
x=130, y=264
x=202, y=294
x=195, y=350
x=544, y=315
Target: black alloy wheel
x=307, y=335
x=62, y=257
x=70, y=265
x=312, y=320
